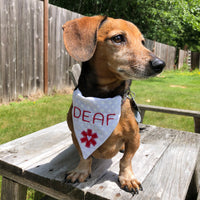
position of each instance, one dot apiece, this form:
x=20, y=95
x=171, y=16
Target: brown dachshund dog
x=112, y=53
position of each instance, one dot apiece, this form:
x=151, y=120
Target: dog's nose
x=157, y=65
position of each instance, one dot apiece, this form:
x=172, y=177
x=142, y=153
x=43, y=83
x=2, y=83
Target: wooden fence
x=163, y=51
x=21, y=48
x=22, y=54
x=192, y=59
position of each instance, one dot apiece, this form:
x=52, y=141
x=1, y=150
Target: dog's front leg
x=81, y=172
x=126, y=176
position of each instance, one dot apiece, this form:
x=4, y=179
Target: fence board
x=150, y=44
x=195, y=60
x=171, y=56
x=19, y=47
x=39, y=46
x=51, y=46
x=28, y=50
x=4, y=50
x=64, y=55
x=24, y=45
x=1, y=68
x=32, y=49
x=163, y=51
x=12, y=56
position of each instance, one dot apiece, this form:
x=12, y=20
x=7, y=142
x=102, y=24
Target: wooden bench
x=191, y=113
x=166, y=164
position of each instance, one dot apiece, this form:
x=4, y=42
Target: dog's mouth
x=141, y=70
x=138, y=72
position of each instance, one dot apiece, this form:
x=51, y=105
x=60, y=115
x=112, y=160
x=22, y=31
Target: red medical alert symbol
x=89, y=138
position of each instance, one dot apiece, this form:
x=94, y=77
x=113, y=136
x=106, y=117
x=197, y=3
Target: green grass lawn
x=174, y=89
x=21, y=118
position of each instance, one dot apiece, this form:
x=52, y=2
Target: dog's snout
x=157, y=65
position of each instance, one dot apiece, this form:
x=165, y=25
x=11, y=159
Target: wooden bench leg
x=142, y=112
x=198, y=198
x=12, y=190
x=197, y=176
x=197, y=124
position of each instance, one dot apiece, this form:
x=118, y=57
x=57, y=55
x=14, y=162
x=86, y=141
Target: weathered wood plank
x=68, y=16
x=182, y=57
x=1, y=49
x=33, y=25
x=52, y=46
x=4, y=47
x=12, y=190
x=51, y=139
x=58, y=27
x=170, y=110
x=11, y=56
x=171, y=177
x=26, y=54
x=64, y=55
x=39, y=48
x=197, y=174
x=20, y=48
x=194, y=114
x=171, y=57
x=149, y=44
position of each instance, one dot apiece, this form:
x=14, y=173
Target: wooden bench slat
x=36, y=144
x=52, y=132
x=190, y=113
x=172, y=175
x=197, y=174
x=170, y=110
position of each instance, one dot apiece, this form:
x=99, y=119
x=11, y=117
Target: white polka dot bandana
x=94, y=120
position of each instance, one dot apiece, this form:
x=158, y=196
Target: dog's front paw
x=77, y=176
x=130, y=184
x=81, y=173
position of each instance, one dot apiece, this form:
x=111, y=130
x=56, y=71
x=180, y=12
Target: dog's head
x=117, y=45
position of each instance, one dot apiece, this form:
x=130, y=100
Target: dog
x=112, y=53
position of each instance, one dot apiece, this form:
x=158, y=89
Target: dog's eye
x=118, y=39
x=143, y=42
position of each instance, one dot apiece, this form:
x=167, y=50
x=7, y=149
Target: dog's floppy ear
x=80, y=37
